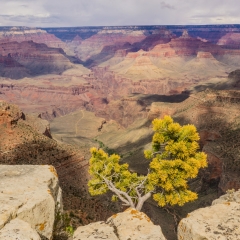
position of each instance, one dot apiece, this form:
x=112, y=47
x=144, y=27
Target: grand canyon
x=64, y=90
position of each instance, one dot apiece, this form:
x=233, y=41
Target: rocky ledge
x=219, y=221
x=28, y=197
x=127, y=225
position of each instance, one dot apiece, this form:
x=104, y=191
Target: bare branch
x=123, y=196
x=141, y=200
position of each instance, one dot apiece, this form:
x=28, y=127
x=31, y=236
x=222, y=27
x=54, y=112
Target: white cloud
x=45, y=13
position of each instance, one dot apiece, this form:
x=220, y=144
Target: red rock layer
x=19, y=34
x=230, y=40
x=36, y=99
x=36, y=58
x=95, y=44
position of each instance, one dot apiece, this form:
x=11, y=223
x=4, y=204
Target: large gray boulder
x=130, y=224
x=29, y=193
x=221, y=221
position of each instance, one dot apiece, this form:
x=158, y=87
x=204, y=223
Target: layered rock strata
x=18, y=60
x=95, y=44
x=21, y=34
x=28, y=198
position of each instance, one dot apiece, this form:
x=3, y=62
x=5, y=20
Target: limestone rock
x=219, y=221
x=18, y=229
x=29, y=193
x=135, y=225
x=93, y=231
x=130, y=224
x=229, y=197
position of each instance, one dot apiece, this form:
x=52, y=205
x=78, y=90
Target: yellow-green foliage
x=104, y=168
x=174, y=160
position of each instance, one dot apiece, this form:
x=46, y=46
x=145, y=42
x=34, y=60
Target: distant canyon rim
x=88, y=68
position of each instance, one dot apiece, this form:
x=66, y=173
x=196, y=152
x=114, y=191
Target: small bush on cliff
x=174, y=159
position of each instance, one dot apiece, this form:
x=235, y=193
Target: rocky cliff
x=23, y=34
x=35, y=98
x=95, y=44
x=26, y=139
x=31, y=59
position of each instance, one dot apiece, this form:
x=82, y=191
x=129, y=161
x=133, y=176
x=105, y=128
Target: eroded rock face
x=219, y=221
x=21, y=34
x=9, y=113
x=24, y=59
x=96, y=43
x=28, y=196
x=130, y=224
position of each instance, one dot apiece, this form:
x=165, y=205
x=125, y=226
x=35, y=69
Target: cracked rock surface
x=28, y=195
x=219, y=221
x=18, y=229
x=128, y=225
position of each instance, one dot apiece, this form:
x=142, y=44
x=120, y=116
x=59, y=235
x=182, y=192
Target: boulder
x=29, y=193
x=18, y=229
x=93, y=231
x=219, y=221
x=130, y=224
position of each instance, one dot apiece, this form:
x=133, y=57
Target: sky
x=74, y=13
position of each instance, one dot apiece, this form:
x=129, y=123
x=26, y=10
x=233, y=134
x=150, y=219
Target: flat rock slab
x=127, y=225
x=221, y=221
x=29, y=193
x=18, y=229
x=93, y=231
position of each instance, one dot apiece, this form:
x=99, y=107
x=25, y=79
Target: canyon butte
x=64, y=90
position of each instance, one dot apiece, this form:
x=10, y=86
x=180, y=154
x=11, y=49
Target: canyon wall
x=19, y=60
x=23, y=140
x=24, y=34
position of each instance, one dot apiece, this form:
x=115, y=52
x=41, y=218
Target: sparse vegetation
x=62, y=225
x=105, y=148
x=174, y=160
x=230, y=195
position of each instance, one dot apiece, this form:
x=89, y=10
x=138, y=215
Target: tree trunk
x=141, y=201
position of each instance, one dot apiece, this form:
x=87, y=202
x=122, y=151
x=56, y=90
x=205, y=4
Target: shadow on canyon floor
x=175, y=98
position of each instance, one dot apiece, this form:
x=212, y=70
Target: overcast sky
x=71, y=13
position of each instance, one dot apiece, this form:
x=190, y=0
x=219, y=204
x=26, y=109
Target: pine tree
x=174, y=159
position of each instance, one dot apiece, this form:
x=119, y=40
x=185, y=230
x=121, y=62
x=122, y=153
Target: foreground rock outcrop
x=28, y=196
x=130, y=224
x=219, y=221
